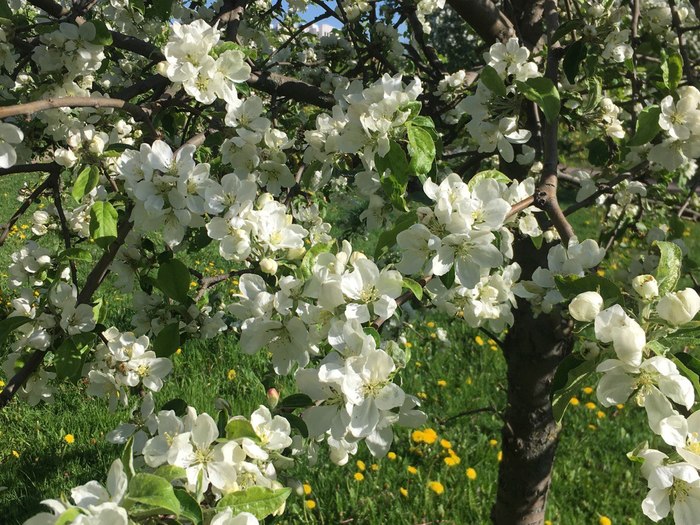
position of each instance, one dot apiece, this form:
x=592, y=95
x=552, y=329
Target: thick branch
x=80, y=102
x=485, y=18
x=230, y=15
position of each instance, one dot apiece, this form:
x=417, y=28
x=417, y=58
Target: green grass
x=592, y=476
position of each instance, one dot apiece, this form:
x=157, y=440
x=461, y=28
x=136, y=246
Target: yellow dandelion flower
x=547, y=522
x=422, y=395
x=15, y=453
x=231, y=375
x=499, y=456
x=591, y=405
x=361, y=465
x=418, y=364
x=479, y=340
x=403, y=492
x=587, y=390
x=433, y=335
x=493, y=348
x=592, y=427
x=193, y=284
x=374, y=467
x=600, y=414
x=2, y=383
x=307, y=488
x=493, y=442
x=604, y=520
x=429, y=436
x=619, y=406
x=417, y=436
x=359, y=476
x=412, y=470
x=445, y=444
x=178, y=351
x=430, y=324
x=310, y=504
x=436, y=487
x=441, y=382
x=491, y=342
x=69, y=438
x=601, y=272
x=392, y=456
x=574, y=401
x=452, y=461
x=469, y=381
x=471, y=473
x=408, y=344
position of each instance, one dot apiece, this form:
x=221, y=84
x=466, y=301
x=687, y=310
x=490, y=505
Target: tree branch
x=79, y=102
x=485, y=18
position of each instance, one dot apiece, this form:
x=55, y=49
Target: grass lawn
x=592, y=476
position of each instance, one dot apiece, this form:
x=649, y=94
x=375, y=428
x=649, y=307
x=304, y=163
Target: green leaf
x=687, y=336
x=103, y=37
x=170, y=472
x=86, y=181
x=174, y=280
x=421, y=147
x=168, y=340
x=669, y=270
x=259, y=501
x=103, y=223
x=570, y=376
x=297, y=423
x=239, y=427
x=598, y=152
x=76, y=254
x=492, y=80
x=99, y=310
x=449, y=278
x=394, y=190
x=690, y=367
x=160, y=9
x=154, y=491
x=68, y=516
x=488, y=174
x=189, y=508
x=127, y=458
x=395, y=162
x=570, y=286
x=566, y=28
x=5, y=11
x=296, y=401
x=542, y=92
x=70, y=356
x=575, y=54
x=177, y=405
x=375, y=335
x=388, y=237
x=672, y=71
x=414, y=107
x=9, y=325
x=307, y=263
x=415, y=287
x=647, y=126
x=423, y=122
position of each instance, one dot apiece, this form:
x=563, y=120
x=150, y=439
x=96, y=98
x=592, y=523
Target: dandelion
x=600, y=414
x=587, y=390
x=403, y=492
x=590, y=405
x=574, y=401
x=469, y=381
x=604, y=520
x=436, y=487
x=408, y=344
x=592, y=427
x=15, y=453
x=453, y=459
x=2, y=383
x=69, y=438
x=310, y=504
x=417, y=436
x=361, y=465
x=601, y=273
x=433, y=335
x=471, y=473
x=479, y=340
x=499, y=456
x=493, y=348
x=307, y=489
x=493, y=442
x=422, y=395
x=619, y=406
x=392, y=456
x=412, y=470
x=359, y=476
x=374, y=467
x=441, y=383
x=430, y=324
x=193, y=284
x=178, y=351
x=231, y=375
x=445, y=444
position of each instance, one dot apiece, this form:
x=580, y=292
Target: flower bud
x=679, y=307
x=268, y=266
x=162, y=68
x=273, y=397
x=295, y=253
x=585, y=306
x=65, y=158
x=646, y=286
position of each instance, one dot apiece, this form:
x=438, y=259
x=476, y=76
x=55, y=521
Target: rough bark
x=485, y=18
x=534, y=348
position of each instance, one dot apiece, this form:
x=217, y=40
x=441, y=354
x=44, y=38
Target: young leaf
x=238, y=428
x=103, y=223
x=672, y=71
x=69, y=357
x=295, y=401
x=669, y=270
x=492, y=80
x=388, y=237
x=570, y=286
x=647, y=126
x=421, y=148
x=103, y=36
x=168, y=340
x=85, y=182
x=542, y=92
x=154, y=491
x=174, y=280
x=415, y=287
x=488, y=174
x=571, y=374
x=575, y=54
x=259, y=501
x=10, y=324
x=189, y=508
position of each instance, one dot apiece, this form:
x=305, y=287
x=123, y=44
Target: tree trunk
x=533, y=349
